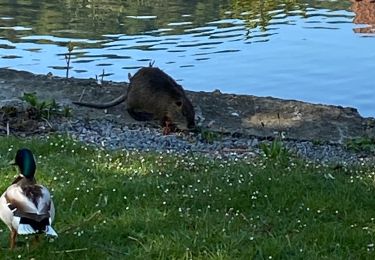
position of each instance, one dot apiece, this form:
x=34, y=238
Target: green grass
x=129, y=205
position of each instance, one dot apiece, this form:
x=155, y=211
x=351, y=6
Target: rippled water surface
x=317, y=51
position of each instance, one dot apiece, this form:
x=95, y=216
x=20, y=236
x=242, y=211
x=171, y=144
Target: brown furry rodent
x=154, y=95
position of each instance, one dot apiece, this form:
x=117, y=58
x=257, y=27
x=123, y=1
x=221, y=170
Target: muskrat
x=154, y=95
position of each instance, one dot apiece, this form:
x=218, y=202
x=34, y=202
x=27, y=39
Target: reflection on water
x=365, y=15
x=291, y=49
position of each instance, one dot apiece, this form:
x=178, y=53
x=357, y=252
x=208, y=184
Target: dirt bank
x=236, y=114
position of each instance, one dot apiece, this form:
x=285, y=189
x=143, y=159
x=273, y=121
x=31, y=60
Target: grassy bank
x=164, y=206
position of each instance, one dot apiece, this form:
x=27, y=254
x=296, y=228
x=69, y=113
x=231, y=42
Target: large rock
x=267, y=116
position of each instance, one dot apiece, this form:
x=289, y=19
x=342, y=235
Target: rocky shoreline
x=236, y=125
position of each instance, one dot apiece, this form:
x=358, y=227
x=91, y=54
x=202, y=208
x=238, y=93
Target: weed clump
x=361, y=144
x=44, y=109
x=275, y=152
x=208, y=136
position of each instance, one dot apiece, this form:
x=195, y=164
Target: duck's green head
x=26, y=162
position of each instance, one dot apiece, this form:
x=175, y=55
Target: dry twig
x=71, y=250
x=83, y=92
x=137, y=240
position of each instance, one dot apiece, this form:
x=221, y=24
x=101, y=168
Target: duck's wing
x=6, y=215
x=30, y=201
x=33, y=206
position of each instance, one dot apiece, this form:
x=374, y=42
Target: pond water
x=316, y=51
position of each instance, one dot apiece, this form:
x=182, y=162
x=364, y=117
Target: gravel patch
x=110, y=135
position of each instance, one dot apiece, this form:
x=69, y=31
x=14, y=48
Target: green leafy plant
x=44, y=109
x=361, y=144
x=275, y=151
x=30, y=98
x=66, y=111
x=317, y=142
x=209, y=136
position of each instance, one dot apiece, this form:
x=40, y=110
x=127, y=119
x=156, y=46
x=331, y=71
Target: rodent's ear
x=179, y=103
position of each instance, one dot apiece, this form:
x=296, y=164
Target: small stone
x=216, y=92
x=211, y=123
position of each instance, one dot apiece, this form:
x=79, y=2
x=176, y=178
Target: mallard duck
x=26, y=207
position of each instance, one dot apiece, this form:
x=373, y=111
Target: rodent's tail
x=112, y=103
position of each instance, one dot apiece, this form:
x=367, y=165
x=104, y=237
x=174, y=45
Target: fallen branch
x=83, y=92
